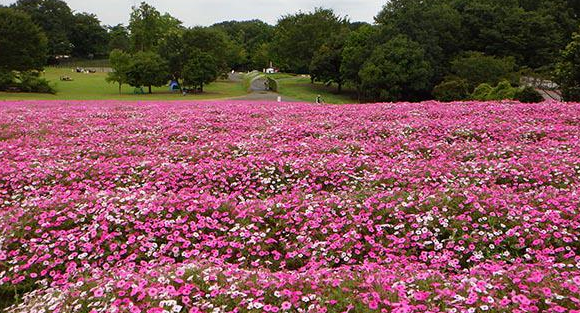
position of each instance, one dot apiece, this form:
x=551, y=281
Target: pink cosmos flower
x=286, y=305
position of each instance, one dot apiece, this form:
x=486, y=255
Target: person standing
x=319, y=99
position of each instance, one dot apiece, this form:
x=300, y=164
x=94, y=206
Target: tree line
x=415, y=50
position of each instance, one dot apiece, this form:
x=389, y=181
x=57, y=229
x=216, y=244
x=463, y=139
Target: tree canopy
x=23, y=44
x=147, y=69
x=298, y=37
x=68, y=33
x=396, y=70
x=200, y=69
x=568, y=70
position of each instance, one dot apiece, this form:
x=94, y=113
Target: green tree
x=248, y=37
x=88, y=37
x=261, y=58
x=357, y=50
x=23, y=45
x=211, y=41
x=297, y=37
x=506, y=28
x=396, y=70
x=121, y=65
x=119, y=38
x=200, y=69
x=451, y=90
x=147, y=69
x=435, y=25
x=326, y=63
x=56, y=20
x=179, y=49
x=149, y=27
x=477, y=68
x=568, y=70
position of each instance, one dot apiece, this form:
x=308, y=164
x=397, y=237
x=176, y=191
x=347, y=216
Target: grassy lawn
x=300, y=88
x=94, y=87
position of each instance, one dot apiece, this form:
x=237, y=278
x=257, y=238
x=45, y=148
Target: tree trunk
x=340, y=87
x=150, y=92
x=120, y=88
x=201, y=88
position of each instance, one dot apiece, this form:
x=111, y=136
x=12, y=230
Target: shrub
x=6, y=79
x=32, y=82
x=503, y=91
x=529, y=95
x=451, y=90
x=477, y=68
x=482, y=92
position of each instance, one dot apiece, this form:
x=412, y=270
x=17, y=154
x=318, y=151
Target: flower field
x=261, y=207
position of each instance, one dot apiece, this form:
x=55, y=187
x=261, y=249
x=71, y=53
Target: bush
x=529, y=95
x=477, y=68
x=570, y=93
x=32, y=82
x=482, y=92
x=6, y=79
x=503, y=91
x=451, y=90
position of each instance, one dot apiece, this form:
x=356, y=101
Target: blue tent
x=174, y=86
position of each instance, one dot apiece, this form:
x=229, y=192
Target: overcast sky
x=207, y=12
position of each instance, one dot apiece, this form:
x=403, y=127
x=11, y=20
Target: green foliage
x=81, y=34
x=211, y=41
x=6, y=79
x=503, y=91
x=56, y=20
x=119, y=38
x=149, y=28
x=476, y=68
x=251, y=39
x=529, y=95
x=88, y=37
x=297, y=37
x=272, y=84
x=531, y=34
x=451, y=90
x=23, y=46
x=147, y=69
x=568, y=70
x=482, y=92
x=435, y=25
x=121, y=64
x=31, y=81
x=326, y=63
x=357, y=50
x=261, y=57
x=201, y=69
x=396, y=70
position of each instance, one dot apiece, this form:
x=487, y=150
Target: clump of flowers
x=261, y=207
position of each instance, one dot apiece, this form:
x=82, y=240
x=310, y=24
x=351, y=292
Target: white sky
x=207, y=12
